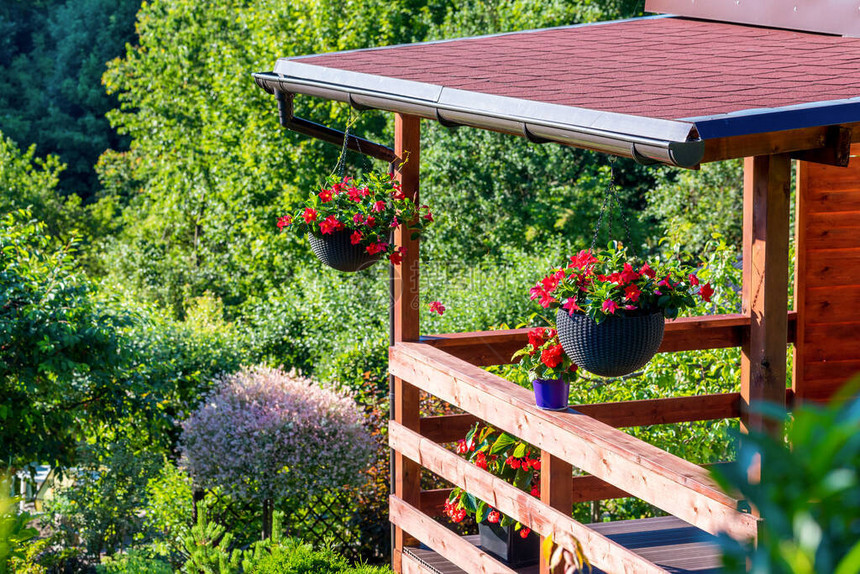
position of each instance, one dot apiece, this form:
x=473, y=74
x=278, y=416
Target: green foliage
x=15, y=532
x=208, y=547
x=101, y=506
x=295, y=557
x=809, y=492
x=61, y=355
x=134, y=562
x=54, y=53
x=690, y=206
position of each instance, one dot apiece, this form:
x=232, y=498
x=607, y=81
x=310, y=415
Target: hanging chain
x=610, y=198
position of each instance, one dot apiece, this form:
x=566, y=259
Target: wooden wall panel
x=827, y=285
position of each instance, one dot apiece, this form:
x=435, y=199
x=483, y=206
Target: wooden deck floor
x=666, y=541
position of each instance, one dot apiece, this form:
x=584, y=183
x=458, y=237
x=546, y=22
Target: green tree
x=61, y=356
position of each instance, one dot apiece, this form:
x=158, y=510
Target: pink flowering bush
x=266, y=434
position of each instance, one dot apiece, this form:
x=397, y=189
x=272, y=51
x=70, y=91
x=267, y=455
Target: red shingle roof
x=670, y=68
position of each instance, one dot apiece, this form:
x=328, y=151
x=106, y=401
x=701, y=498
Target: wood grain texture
x=664, y=480
x=765, y=285
x=556, y=491
x=465, y=555
x=510, y=500
x=786, y=141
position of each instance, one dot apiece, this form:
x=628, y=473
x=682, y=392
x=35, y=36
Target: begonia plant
x=611, y=283
x=502, y=455
x=544, y=358
x=370, y=207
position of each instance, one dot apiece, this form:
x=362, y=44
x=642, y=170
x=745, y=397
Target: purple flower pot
x=551, y=394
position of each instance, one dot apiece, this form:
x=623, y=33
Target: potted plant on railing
x=512, y=460
x=350, y=222
x=549, y=369
x=611, y=311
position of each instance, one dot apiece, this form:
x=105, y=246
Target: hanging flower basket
x=350, y=221
x=614, y=347
x=338, y=252
x=611, y=313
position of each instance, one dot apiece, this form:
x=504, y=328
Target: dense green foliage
x=809, y=492
x=52, y=56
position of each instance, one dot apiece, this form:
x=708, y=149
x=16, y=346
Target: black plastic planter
x=507, y=545
x=337, y=251
x=614, y=347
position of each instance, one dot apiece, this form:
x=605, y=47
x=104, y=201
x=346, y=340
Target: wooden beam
x=767, y=181
x=406, y=475
x=508, y=499
x=447, y=543
x=684, y=334
x=786, y=141
x=657, y=477
x=556, y=489
x=837, y=150
x=646, y=412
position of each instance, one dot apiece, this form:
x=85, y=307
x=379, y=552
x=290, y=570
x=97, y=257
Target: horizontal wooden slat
x=664, y=480
x=833, y=267
x=508, y=499
x=447, y=428
x=664, y=411
x=831, y=370
x=838, y=230
x=684, y=334
x=832, y=342
x=433, y=501
x=831, y=201
x=447, y=543
x=839, y=304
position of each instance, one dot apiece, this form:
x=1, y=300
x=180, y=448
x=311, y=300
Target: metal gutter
x=648, y=140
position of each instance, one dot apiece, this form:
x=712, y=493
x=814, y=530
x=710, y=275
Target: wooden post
x=406, y=477
x=767, y=181
x=556, y=490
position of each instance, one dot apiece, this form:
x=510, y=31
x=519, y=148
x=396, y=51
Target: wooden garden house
x=700, y=82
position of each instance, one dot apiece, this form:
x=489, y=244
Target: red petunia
x=326, y=195
x=358, y=218
x=647, y=271
x=429, y=217
x=285, y=221
x=610, y=306
x=375, y=248
x=353, y=194
x=370, y=221
x=628, y=275
x=705, y=292
x=693, y=280
x=378, y=206
x=356, y=237
x=310, y=214
x=553, y=356
x=437, y=307
x=396, y=257
x=571, y=306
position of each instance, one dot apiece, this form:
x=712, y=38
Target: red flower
x=285, y=221
x=536, y=464
x=375, y=248
x=325, y=195
x=571, y=306
x=396, y=257
x=553, y=356
x=481, y=461
x=546, y=300
x=693, y=280
x=705, y=292
x=378, y=206
x=370, y=221
x=355, y=238
x=357, y=218
x=461, y=446
x=429, y=217
x=513, y=462
x=582, y=260
x=493, y=517
x=437, y=307
x=573, y=368
x=330, y=224
x=524, y=532
x=536, y=338
x=628, y=275
x=310, y=214
x=536, y=489
x=646, y=270
x=394, y=222
x=609, y=306
x=353, y=194
x=632, y=293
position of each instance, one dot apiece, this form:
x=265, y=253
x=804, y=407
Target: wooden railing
x=585, y=436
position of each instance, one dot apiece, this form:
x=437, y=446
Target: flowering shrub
x=267, y=434
x=607, y=284
x=504, y=456
x=369, y=208
x=544, y=357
